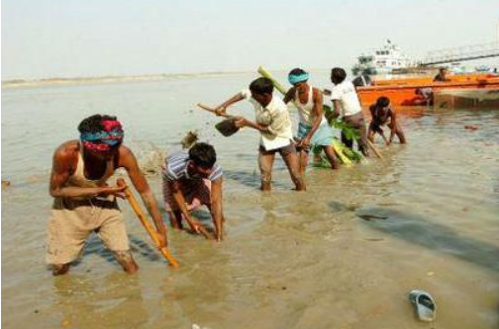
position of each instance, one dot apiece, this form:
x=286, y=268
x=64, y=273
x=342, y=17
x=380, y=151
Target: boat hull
x=402, y=92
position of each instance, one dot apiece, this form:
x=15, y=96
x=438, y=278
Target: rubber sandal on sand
x=426, y=308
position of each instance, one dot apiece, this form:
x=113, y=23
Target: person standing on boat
x=190, y=180
x=313, y=128
x=85, y=203
x=347, y=105
x=274, y=124
x=382, y=113
x=362, y=80
x=441, y=76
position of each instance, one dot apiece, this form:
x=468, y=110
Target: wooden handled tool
x=204, y=232
x=143, y=220
x=209, y=109
x=226, y=127
x=374, y=149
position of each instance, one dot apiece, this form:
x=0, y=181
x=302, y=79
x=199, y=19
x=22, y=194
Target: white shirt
x=346, y=94
x=275, y=117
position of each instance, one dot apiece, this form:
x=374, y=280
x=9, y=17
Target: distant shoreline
x=19, y=83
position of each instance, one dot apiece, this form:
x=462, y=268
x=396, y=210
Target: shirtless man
x=383, y=114
x=85, y=203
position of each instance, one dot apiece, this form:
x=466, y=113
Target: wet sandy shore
x=345, y=254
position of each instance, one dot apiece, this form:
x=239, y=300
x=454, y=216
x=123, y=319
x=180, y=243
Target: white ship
x=383, y=61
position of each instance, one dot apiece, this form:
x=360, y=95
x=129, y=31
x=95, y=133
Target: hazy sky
x=70, y=38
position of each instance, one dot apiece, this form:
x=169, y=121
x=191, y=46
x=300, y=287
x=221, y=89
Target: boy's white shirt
x=346, y=94
x=275, y=116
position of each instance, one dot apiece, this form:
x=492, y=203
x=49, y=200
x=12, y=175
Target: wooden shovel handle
x=211, y=110
x=143, y=220
x=204, y=232
x=374, y=149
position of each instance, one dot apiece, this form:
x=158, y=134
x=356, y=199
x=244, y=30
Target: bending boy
x=191, y=180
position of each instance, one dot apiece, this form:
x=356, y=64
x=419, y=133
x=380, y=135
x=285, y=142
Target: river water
x=344, y=254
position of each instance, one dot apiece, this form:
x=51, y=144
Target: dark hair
x=297, y=71
x=383, y=101
x=338, y=75
x=93, y=123
x=362, y=81
x=203, y=155
x=262, y=86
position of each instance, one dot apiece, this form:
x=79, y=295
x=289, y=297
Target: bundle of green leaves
x=349, y=132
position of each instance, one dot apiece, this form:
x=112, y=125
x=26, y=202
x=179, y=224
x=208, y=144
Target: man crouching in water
x=190, y=180
x=83, y=201
x=382, y=114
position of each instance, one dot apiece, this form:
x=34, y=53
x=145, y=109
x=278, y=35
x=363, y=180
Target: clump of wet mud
x=152, y=158
x=150, y=163
x=190, y=139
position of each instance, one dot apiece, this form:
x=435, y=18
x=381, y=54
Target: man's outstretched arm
x=222, y=108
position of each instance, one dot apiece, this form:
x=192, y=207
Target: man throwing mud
x=85, y=203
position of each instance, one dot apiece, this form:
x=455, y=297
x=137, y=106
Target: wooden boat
x=403, y=92
x=485, y=98
x=427, y=79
